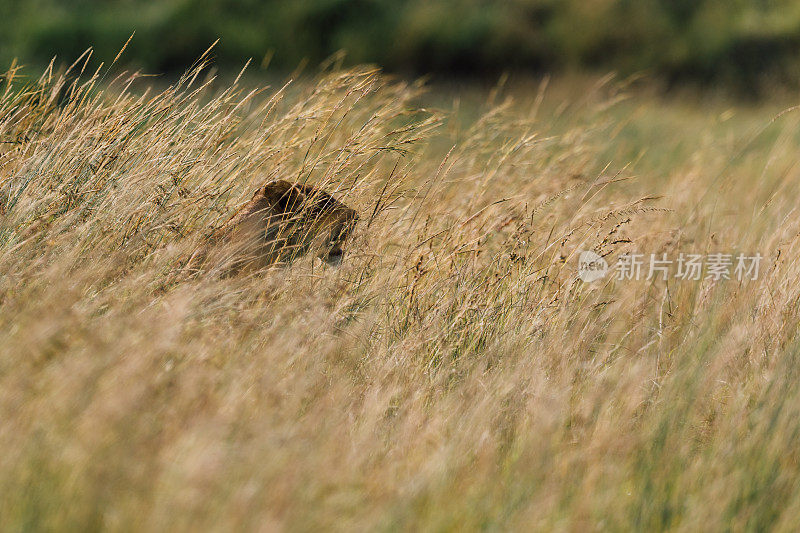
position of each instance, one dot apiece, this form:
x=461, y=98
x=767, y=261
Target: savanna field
x=453, y=373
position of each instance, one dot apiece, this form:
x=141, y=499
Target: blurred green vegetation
x=741, y=41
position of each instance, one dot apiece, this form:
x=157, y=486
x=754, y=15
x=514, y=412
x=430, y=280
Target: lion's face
x=284, y=221
x=337, y=229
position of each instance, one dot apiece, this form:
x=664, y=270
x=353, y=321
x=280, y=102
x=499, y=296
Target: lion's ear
x=283, y=195
x=274, y=190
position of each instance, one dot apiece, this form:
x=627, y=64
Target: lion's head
x=302, y=218
x=280, y=223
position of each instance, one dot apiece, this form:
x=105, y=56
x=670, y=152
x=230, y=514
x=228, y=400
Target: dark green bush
x=707, y=40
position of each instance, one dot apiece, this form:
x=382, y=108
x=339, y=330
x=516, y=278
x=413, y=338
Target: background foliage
x=742, y=41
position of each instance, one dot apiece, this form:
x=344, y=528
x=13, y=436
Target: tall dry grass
x=453, y=373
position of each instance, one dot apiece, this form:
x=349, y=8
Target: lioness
x=280, y=223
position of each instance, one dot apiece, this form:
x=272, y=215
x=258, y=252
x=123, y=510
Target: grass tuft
x=453, y=372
